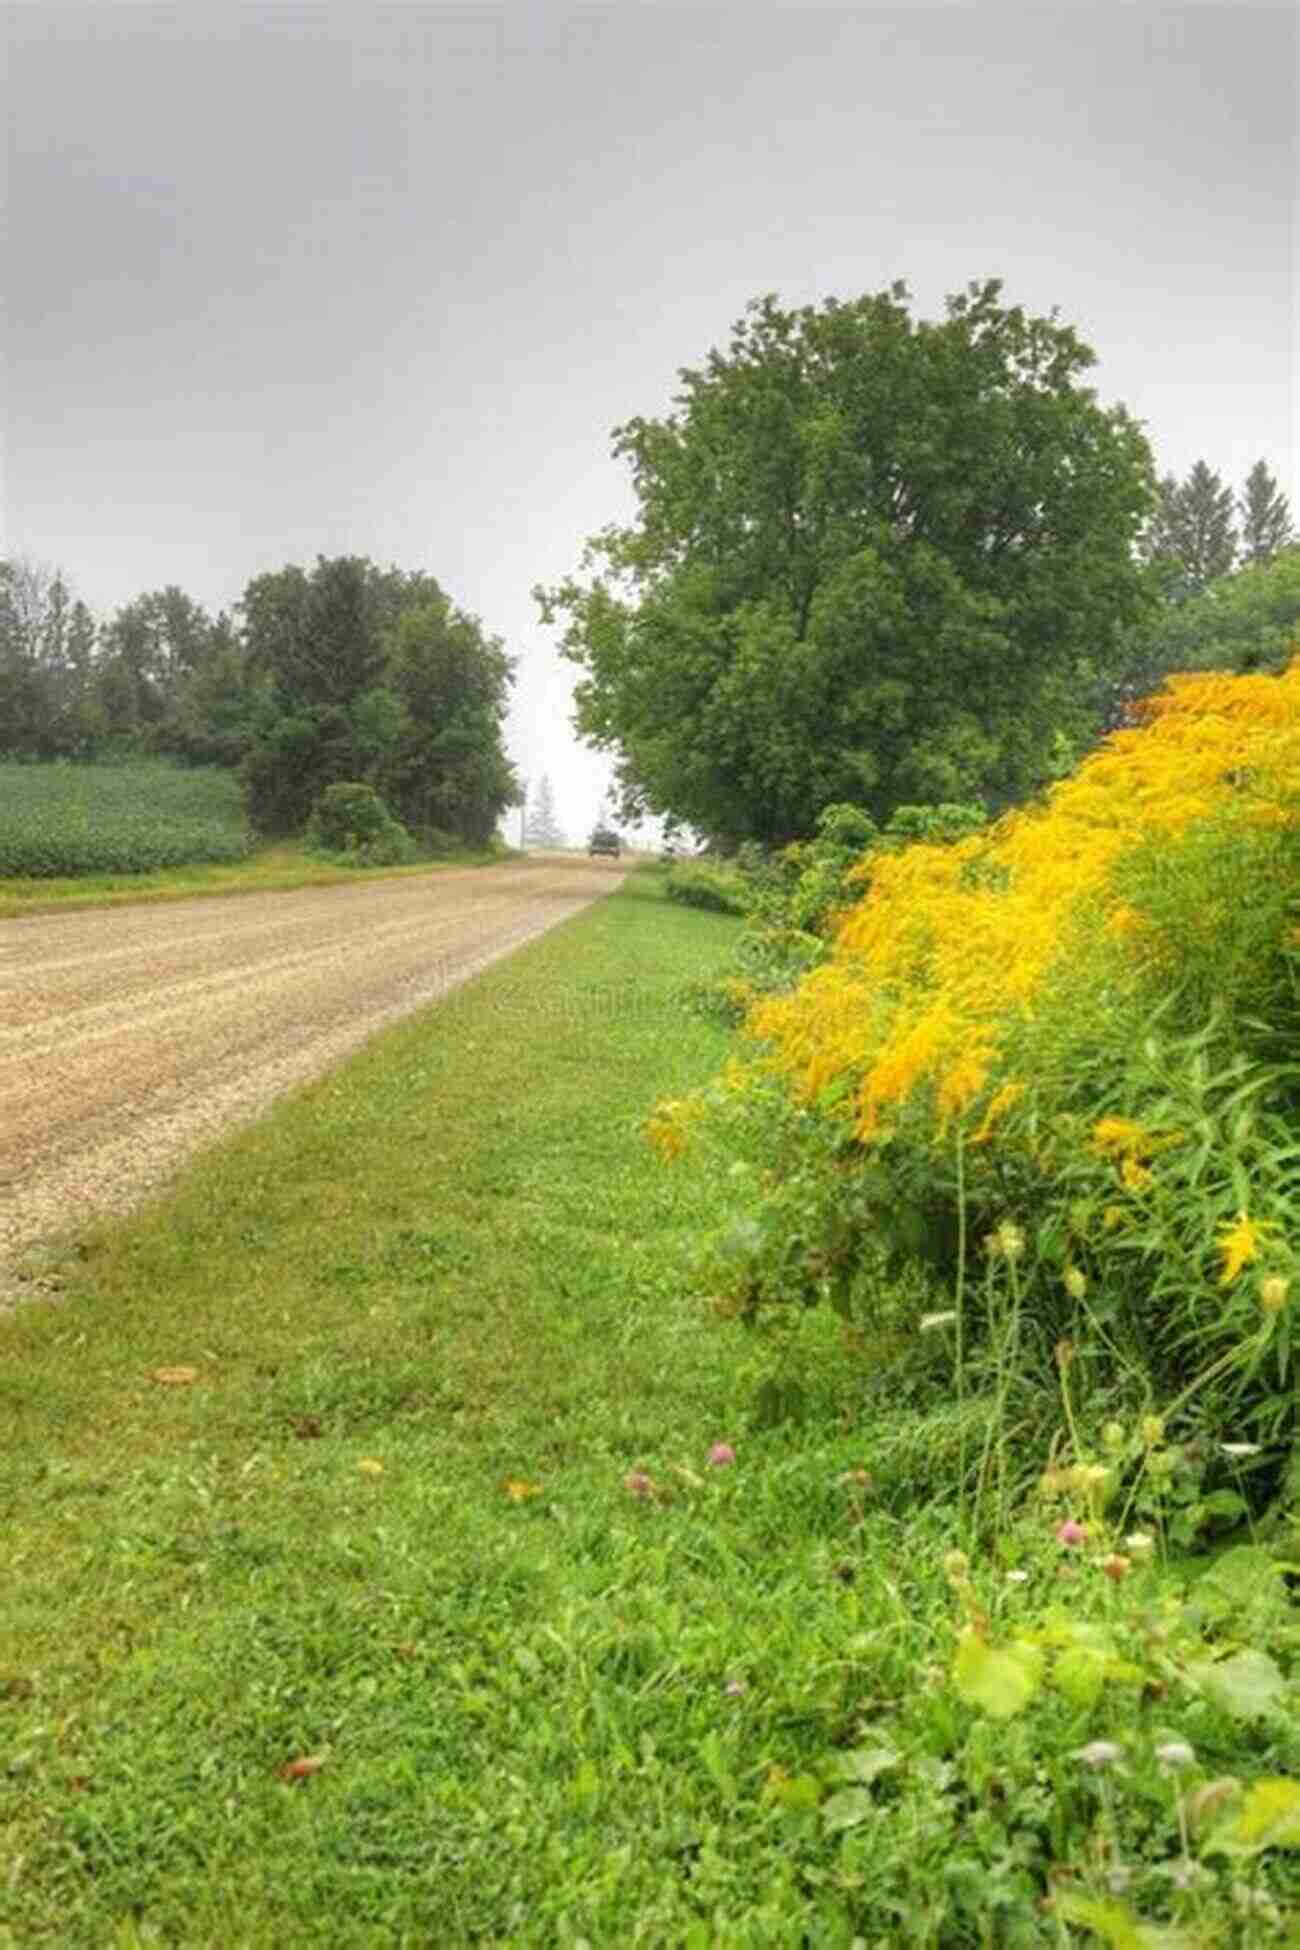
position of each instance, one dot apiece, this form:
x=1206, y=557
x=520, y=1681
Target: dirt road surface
x=131, y=1036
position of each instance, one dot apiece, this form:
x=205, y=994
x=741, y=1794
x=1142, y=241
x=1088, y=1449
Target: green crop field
x=61, y=819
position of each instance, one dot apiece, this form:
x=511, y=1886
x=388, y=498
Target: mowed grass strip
x=382, y=1447
x=269, y=869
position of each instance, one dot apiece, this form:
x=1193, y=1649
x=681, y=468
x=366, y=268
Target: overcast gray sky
x=332, y=276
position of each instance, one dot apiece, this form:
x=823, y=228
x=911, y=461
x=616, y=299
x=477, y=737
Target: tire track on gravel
x=130, y=1037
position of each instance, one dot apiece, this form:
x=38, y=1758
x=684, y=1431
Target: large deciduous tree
x=47, y=645
x=875, y=559
x=373, y=675
x=448, y=771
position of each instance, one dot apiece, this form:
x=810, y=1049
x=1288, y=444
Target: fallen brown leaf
x=175, y=1377
x=307, y=1428
x=302, y=1769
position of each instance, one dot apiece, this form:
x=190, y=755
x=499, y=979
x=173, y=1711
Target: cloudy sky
x=379, y=276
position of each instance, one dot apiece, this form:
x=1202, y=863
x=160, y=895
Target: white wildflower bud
x=1098, y=1753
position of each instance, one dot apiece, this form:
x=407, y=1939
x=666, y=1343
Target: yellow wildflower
x=1273, y=1293
x=963, y=1081
x=665, y=1128
x=1135, y=1176
x=1120, y=1137
x=950, y=947
x=1124, y=920
x=1239, y=1243
x=1000, y=1103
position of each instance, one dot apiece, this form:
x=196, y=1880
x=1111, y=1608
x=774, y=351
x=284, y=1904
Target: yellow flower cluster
x=949, y=943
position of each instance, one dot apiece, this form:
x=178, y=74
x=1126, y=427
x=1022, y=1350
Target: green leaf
x=1268, y=1818
x=1080, y=1674
x=802, y=1791
x=999, y=1680
x=848, y=1809
x=1223, y=1503
x=1248, y=1685
x=866, y=1764
x=1118, y=1926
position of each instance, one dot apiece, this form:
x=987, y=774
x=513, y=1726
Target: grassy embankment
x=374, y=1572
x=102, y=835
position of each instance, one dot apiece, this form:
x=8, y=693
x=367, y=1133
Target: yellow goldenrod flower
x=1120, y=1137
x=1239, y=1243
x=948, y=948
x=962, y=1082
x=999, y=1104
x=1135, y=1176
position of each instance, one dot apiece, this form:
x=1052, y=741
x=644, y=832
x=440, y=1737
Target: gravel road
x=131, y=1036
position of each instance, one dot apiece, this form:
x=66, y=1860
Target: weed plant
x=717, y=889
x=1082, y=1022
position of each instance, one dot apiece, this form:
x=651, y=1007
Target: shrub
x=793, y=897
x=1079, y=1023
x=719, y=889
x=351, y=819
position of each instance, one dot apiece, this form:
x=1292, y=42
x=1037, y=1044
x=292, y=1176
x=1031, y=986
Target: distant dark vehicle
x=604, y=840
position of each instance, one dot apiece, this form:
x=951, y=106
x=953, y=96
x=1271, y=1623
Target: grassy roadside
x=392, y=1556
x=272, y=869
x=435, y=1305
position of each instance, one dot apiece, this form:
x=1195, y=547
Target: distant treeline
x=341, y=671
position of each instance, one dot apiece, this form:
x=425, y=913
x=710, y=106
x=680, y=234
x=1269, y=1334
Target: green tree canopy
x=1249, y=621
x=373, y=675
x=875, y=560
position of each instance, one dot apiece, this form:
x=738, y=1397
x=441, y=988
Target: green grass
x=438, y=1511
x=277, y=868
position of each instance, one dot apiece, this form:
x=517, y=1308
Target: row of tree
x=884, y=560
x=341, y=671
x=1200, y=531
